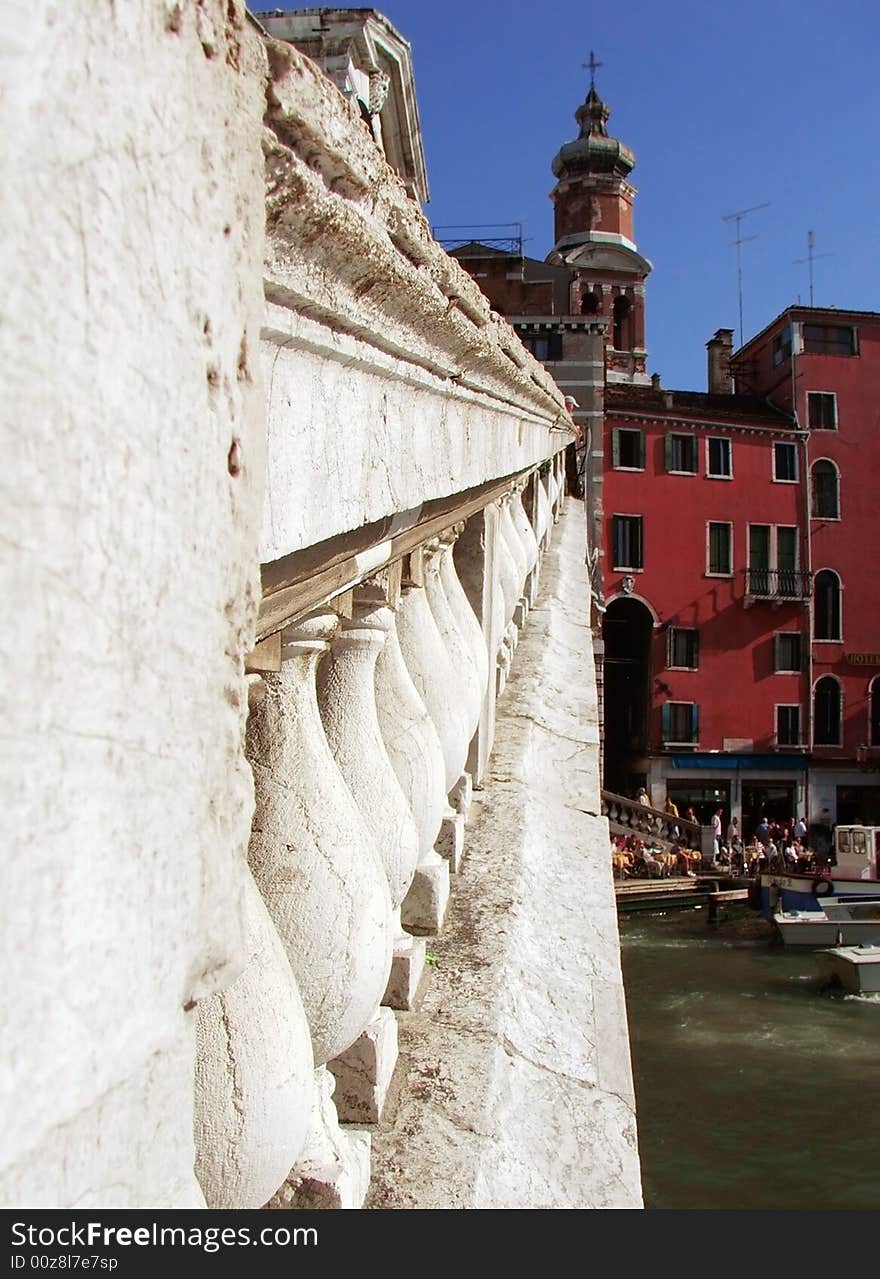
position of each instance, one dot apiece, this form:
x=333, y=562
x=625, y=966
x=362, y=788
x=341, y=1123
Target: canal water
x=755, y=1088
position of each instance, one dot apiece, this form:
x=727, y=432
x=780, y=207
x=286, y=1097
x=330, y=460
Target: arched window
x=826, y=712
x=590, y=304
x=826, y=624
x=825, y=493
x=874, y=711
x=622, y=309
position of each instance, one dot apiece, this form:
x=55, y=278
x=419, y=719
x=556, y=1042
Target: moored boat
x=855, y=968
x=841, y=922
x=854, y=873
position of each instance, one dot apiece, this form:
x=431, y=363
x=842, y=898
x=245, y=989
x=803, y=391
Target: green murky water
x=755, y=1088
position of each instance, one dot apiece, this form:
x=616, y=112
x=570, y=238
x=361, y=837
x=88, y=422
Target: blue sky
x=725, y=105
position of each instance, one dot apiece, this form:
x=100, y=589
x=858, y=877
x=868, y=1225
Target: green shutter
x=695, y=723
x=615, y=447
x=642, y=449
x=670, y=645
x=777, y=652
x=666, y=712
x=668, y=448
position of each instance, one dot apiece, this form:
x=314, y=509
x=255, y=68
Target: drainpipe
x=808, y=524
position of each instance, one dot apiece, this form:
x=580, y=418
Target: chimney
x=655, y=381
x=720, y=349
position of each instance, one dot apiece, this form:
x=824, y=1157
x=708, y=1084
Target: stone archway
x=627, y=628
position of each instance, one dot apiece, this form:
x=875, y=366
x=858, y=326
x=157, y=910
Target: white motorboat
x=840, y=922
x=855, y=968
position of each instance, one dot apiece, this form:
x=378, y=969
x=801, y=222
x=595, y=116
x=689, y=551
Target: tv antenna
x=811, y=258
x=740, y=240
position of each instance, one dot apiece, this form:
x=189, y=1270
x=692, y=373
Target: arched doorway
x=627, y=628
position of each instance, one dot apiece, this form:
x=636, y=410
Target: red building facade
x=736, y=620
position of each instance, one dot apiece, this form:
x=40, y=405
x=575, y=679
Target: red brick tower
x=594, y=236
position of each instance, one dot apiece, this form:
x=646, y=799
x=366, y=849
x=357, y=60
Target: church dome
x=594, y=150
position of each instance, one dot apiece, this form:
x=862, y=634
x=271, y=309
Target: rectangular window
x=788, y=725
x=681, y=723
x=681, y=454
x=720, y=549
x=628, y=449
x=683, y=648
x=822, y=410
x=830, y=339
x=785, y=462
x=774, y=559
x=628, y=548
x=787, y=651
x=718, y=461
x=546, y=347
x=782, y=347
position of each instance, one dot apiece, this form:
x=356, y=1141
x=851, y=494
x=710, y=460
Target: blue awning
x=768, y=763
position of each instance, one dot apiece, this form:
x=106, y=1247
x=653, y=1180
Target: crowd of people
x=775, y=847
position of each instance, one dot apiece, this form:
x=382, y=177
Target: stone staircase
x=629, y=817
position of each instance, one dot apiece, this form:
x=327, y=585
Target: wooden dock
x=678, y=894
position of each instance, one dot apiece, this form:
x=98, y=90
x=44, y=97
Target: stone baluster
x=326, y=890
x=465, y=617
x=543, y=530
x=555, y=489
x=436, y=679
x=508, y=570
x=254, y=1073
x=514, y=543
x=509, y=575
x=415, y=754
x=347, y=701
x=526, y=535
x=437, y=685
x=475, y=555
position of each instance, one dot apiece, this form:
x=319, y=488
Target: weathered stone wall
x=167, y=358
x=385, y=367
x=132, y=211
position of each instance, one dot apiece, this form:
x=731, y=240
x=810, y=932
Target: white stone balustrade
x=526, y=534
x=415, y=754
x=347, y=701
x=436, y=679
x=254, y=1073
x=435, y=685
x=465, y=617
x=317, y=866
x=468, y=690
x=544, y=518
x=508, y=569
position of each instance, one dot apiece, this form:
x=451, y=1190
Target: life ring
x=822, y=887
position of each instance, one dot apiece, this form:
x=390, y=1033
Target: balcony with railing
x=777, y=585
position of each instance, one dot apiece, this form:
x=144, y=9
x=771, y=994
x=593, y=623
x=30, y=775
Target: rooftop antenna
x=810, y=258
x=740, y=240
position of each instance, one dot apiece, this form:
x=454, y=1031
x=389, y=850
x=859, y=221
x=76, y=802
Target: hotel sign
x=862, y=659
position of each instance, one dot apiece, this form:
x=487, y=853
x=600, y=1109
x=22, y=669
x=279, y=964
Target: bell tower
x=593, y=201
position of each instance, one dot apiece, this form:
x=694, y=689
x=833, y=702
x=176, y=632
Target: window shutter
x=777, y=652
x=615, y=447
x=642, y=449
x=666, y=711
x=695, y=723
x=668, y=448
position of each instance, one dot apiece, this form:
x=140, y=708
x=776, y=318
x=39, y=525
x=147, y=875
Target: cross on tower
x=592, y=66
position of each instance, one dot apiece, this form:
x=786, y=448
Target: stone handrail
x=628, y=816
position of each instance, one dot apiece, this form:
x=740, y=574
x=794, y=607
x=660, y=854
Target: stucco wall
x=132, y=297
